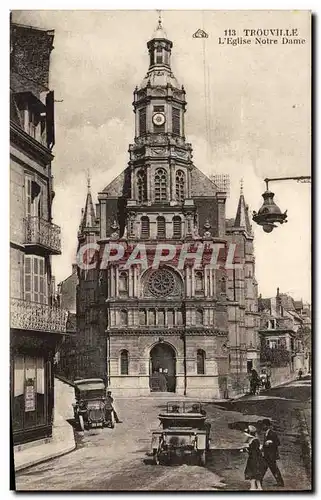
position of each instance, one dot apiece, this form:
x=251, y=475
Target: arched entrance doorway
x=162, y=368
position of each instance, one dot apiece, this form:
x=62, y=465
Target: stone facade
x=36, y=324
x=197, y=324
x=285, y=325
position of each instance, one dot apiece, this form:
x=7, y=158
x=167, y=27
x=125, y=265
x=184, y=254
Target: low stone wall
x=281, y=374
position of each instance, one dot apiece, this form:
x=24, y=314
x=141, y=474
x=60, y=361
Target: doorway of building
x=162, y=368
x=249, y=365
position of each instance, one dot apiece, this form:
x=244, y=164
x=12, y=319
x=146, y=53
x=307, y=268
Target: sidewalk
x=62, y=440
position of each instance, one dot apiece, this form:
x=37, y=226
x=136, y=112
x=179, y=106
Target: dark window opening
x=176, y=119
x=124, y=362
x=200, y=362
x=142, y=121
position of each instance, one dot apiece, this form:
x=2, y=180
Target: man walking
x=111, y=406
x=270, y=450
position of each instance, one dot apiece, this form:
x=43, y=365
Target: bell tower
x=160, y=158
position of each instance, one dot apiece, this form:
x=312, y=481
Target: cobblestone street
x=118, y=459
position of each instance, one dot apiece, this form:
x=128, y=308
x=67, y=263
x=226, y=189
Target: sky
x=256, y=98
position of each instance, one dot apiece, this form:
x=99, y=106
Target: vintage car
x=90, y=407
x=184, y=431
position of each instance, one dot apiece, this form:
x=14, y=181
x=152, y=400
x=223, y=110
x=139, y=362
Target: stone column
x=130, y=282
x=172, y=181
x=188, y=183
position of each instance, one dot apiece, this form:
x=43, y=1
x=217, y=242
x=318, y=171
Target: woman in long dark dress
x=253, y=469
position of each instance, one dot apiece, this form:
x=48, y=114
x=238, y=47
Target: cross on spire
x=159, y=19
x=241, y=186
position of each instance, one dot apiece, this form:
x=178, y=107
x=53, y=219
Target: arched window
x=123, y=317
x=199, y=287
x=199, y=317
x=142, y=317
x=144, y=227
x=161, y=227
x=177, y=227
x=200, y=362
x=123, y=283
x=142, y=185
x=124, y=362
x=160, y=185
x=180, y=186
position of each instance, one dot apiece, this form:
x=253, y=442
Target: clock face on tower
x=159, y=119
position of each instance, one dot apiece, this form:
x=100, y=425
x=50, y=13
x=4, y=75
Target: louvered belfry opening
x=177, y=227
x=144, y=227
x=161, y=227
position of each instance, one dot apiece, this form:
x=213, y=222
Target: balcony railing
x=25, y=315
x=43, y=233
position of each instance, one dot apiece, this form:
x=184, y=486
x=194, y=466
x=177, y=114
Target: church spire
x=242, y=219
x=88, y=215
x=160, y=33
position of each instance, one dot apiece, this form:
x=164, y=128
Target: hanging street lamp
x=270, y=214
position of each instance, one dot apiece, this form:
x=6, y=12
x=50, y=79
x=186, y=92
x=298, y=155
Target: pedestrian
x=166, y=378
x=111, y=405
x=254, y=464
x=300, y=374
x=271, y=445
x=263, y=379
x=254, y=382
x=162, y=381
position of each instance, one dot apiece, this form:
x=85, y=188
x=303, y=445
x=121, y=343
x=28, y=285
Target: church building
x=194, y=323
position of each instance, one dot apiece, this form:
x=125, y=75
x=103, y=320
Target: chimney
x=277, y=292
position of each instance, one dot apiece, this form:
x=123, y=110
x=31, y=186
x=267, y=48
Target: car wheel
x=81, y=423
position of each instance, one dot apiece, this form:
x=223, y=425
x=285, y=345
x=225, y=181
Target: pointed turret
x=88, y=215
x=242, y=219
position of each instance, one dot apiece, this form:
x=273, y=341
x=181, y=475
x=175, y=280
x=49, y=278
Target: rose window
x=161, y=283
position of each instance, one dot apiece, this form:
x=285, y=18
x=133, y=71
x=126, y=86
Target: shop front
x=32, y=385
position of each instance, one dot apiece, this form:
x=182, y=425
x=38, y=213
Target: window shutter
x=28, y=278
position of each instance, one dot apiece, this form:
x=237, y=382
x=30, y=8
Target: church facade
x=194, y=322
